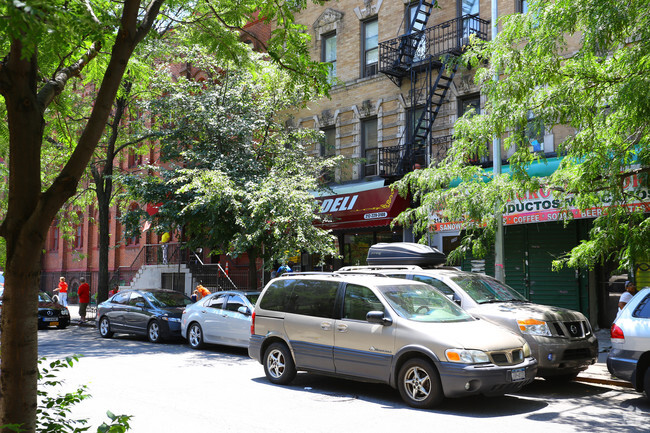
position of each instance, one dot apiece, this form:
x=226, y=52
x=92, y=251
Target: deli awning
x=371, y=208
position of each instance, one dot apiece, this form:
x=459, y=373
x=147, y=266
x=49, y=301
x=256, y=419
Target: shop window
x=369, y=149
x=370, y=49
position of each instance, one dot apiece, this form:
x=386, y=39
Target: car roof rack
x=381, y=268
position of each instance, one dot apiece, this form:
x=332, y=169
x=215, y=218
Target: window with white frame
x=370, y=47
x=328, y=54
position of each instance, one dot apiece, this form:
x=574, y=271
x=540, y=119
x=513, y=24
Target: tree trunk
x=31, y=211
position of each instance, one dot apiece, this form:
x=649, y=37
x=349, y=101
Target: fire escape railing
x=449, y=37
x=390, y=159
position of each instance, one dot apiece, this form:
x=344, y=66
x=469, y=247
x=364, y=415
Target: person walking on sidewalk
x=630, y=291
x=84, y=298
x=63, y=292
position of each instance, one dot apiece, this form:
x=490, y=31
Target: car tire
x=153, y=332
x=646, y=383
x=105, y=327
x=419, y=384
x=195, y=336
x=279, y=366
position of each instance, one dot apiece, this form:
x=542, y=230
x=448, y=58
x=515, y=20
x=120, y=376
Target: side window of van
x=313, y=298
x=358, y=301
x=435, y=283
x=277, y=295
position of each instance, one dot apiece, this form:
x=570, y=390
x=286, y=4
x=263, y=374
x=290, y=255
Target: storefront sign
x=541, y=206
x=370, y=208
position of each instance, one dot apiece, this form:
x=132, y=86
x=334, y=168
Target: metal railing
x=393, y=161
x=397, y=56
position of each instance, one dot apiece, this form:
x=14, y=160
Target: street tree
x=233, y=178
x=50, y=47
x=583, y=66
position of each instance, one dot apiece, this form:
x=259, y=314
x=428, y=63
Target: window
x=133, y=159
x=370, y=48
x=369, y=149
x=435, y=283
x=328, y=144
x=234, y=302
x=467, y=103
x=217, y=302
x=121, y=298
x=135, y=299
x=313, y=298
x=421, y=50
x=359, y=301
x=54, y=237
x=469, y=8
x=643, y=309
x=133, y=240
x=79, y=233
x=521, y=6
x=329, y=52
x=535, y=132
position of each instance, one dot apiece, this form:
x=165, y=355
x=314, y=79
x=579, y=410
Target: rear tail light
x=253, y=323
x=616, y=333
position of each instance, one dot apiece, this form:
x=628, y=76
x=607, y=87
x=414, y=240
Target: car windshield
x=167, y=299
x=44, y=297
x=484, y=290
x=422, y=303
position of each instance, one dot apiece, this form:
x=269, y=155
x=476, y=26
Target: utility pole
x=499, y=270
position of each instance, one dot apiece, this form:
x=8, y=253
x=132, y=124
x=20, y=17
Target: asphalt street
x=172, y=388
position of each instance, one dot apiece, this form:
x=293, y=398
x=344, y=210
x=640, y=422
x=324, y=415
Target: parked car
x=374, y=329
x=220, y=318
x=50, y=314
x=155, y=313
x=561, y=340
x=629, y=358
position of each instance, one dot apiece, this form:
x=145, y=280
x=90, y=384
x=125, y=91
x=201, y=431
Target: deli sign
x=371, y=208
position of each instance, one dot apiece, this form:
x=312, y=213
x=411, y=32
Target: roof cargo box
x=405, y=253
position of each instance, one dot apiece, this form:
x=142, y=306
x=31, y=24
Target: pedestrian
x=195, y=296
x=202, y=291
x=84, y=299
x=63, y=292
x=630, y=291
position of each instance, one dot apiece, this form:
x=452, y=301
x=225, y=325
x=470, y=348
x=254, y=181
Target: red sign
x=371, y=208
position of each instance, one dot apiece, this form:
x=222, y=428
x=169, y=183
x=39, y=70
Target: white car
x=220, y=318
x=629, y=358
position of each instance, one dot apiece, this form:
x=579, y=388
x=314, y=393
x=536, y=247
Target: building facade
x=397, y=95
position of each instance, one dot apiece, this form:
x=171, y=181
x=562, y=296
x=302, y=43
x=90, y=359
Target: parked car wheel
x=646, y=383
x=195, y=336
x=278, y=364
x=419, y=384
x=153, y=332
x=105, y=328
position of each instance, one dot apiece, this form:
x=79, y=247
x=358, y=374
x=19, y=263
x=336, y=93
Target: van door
x=309, y=323
x=361, y=348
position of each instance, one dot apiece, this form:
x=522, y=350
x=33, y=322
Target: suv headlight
x=534, y=327
x=466, y=356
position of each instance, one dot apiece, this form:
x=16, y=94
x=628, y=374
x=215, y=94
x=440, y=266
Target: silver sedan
x=220, y=318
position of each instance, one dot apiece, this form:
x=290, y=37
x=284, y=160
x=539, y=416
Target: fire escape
x=427, y=57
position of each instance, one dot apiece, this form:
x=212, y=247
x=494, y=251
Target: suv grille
x=573, y=354
x=571, y=329
x=510, y=357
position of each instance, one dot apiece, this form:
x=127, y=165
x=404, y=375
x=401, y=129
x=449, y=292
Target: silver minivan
x=387, y=330
x=561, y=340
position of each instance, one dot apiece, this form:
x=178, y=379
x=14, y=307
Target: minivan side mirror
x=378, y=317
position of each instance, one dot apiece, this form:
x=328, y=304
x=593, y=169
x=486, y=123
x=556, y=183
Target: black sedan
x=50, y=313
x=155, y=313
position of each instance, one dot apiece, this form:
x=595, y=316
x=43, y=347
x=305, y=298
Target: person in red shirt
x=63, y=292
x=84, y=298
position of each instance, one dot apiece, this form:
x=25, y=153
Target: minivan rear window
x=277, y=294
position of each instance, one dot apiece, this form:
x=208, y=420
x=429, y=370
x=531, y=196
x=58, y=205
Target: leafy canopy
x=582, y=69
x=232, y=177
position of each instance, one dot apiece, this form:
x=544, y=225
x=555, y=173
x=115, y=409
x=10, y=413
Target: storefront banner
x=540, y=206
x=370, y=208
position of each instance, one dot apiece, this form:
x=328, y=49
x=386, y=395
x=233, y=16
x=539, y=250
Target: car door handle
x=326, y=326
x=342, y=327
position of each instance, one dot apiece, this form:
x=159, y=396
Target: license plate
x=518, y=374
x=54, y=323
x=50, y=319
